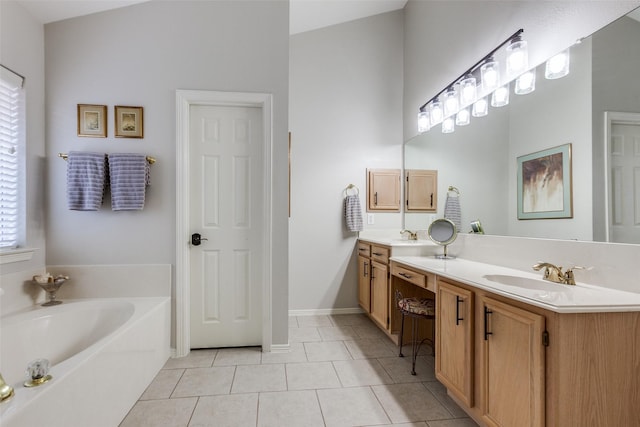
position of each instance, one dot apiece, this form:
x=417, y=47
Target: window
x=11, y=145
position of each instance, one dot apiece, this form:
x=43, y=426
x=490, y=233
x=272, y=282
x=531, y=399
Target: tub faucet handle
x=37, y=373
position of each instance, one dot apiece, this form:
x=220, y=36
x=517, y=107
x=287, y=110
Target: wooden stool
x=415, y=308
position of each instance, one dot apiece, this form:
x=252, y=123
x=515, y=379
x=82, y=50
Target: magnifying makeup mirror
x=443, y=232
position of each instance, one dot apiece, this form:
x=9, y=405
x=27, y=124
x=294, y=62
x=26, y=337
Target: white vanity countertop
x=396, y=242
x=559, y=298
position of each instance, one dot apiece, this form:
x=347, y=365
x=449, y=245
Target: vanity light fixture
x=480, y=108
x=500, y=97
x=463, y=91
x=463, y=117
x=557, y=66
x=525, y=83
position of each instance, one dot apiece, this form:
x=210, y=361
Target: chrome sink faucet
x=412, y=235
x=553, y=273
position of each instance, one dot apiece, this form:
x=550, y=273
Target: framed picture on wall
x=128, y=122
x=545, y=184
x=92, y=120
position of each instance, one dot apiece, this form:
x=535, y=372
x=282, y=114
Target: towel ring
x=454, y=189
x=351, y=187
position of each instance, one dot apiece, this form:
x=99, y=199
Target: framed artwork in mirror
x=92, y=120
x=545, y=184
x=128, y=122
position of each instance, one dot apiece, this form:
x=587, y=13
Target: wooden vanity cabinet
x=373, y=281
x=380, y=293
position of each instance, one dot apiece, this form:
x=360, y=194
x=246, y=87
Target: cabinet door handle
x=405, y=275
x=366, y=269
x=458, y=318
x=487, y=312
x=377, y=254
x=431, y=199
x=375, y=198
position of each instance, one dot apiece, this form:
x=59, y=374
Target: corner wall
x=345, y=116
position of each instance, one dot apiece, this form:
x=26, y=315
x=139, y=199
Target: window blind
x=10, y=115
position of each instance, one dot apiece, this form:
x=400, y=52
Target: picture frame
x=92, y=120
x=545, y=188
x=128, y=122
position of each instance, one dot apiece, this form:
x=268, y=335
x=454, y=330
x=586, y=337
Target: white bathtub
x=103, y=352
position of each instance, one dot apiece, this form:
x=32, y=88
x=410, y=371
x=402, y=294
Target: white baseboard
x=325, y=311
x=280, y=348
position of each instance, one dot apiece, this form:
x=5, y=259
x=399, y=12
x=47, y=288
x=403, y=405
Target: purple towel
x=86, y=175
x=129, y=177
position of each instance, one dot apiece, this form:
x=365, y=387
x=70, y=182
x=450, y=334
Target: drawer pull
x=362, y=249
x=378, y=254
x=458, y=318
x=487, y=312
x=405, y=275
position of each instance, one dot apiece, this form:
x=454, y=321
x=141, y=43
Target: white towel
x=353, y=212
x=86, y=176
x=452, y=211
x=129, y=177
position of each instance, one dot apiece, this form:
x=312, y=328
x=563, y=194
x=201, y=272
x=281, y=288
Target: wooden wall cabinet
x=383, y=190
x=421, y=190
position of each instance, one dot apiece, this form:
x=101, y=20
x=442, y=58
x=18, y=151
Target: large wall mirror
x=596, y=109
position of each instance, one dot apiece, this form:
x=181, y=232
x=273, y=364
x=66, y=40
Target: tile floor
x=341, y=371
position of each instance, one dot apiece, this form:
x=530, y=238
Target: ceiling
x=304, y=15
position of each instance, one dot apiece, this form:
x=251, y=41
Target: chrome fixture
x=51, y=285
x=37, y=373
x=553, y=273
x=6, y=391
x=413, y=235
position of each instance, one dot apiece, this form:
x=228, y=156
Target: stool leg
x=401, y=335
x=414, y=344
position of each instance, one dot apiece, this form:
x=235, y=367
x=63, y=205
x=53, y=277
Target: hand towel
x=129, y=177
x=353, y=212
x=86, y=177
x=452, y=211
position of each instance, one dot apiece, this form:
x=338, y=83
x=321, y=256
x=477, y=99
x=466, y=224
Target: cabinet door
x=364, y=283
x=421, y=190
x=455, y=340
x=383, y=190
x=379, y=293
x=513, y=366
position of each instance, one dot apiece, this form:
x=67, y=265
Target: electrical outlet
x=370, y=219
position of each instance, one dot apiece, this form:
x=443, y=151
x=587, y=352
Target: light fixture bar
x=473, y=67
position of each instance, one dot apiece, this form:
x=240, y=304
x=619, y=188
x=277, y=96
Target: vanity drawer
x=380, y=254
x=364, y=249
x=424, y=280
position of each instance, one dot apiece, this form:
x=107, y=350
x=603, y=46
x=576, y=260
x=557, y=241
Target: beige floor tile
x=368, y=348
x=289, y=409
x=440, y=392
x=400, y=369
x=195, y=359
x=312, y=375
x=326, y=351
x=296, y=354
x=226, y=411
x=205, y=381
x=353, y=373
x=356, y=406
x=293, y=322
x=308, y=334
x=160, y=413
x=462, y=422
x=335, y=333
x=238, y=356
x=313, y=321
x=163, y=384
x=410, y=402
x=417, y=424
x=257, y=378
x=369, y=330
x=349, y=319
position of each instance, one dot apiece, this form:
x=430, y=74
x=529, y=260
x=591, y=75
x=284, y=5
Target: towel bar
x=65, y=156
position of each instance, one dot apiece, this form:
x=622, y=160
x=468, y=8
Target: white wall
x=22, y=50
x=139, y=55
x=345, y=116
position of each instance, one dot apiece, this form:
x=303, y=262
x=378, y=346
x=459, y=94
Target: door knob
x=196, y=239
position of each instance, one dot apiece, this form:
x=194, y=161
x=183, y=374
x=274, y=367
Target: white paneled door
x=226, y=206
x=624, y=191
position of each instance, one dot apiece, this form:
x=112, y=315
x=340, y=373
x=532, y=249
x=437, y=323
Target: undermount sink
x=524, y=282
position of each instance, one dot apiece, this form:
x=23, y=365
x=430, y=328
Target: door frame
x=611, y=118
x=184, y=100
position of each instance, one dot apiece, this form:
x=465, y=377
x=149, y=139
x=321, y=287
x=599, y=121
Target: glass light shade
x=517, y=57
x=463, y=117
x=557, y=66
x=480, y=108
x=435, y=112
x=490, y=75
x=450, y=102
x=423, y=121
x=448, y=125
x=500, y=97
x=468, y=91
x=526, y=83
